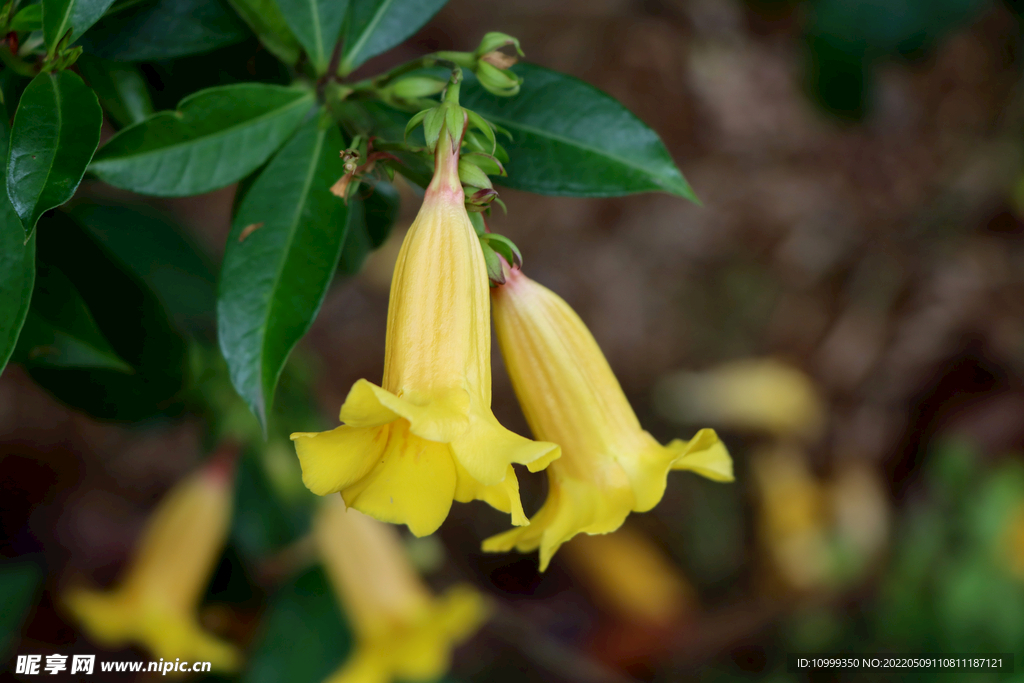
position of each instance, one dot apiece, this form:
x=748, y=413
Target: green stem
x=16, y=64
x=447, y=59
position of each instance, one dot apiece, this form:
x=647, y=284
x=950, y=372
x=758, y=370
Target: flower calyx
x=498, y=250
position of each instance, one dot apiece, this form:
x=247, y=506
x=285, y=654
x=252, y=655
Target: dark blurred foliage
x=859, y=163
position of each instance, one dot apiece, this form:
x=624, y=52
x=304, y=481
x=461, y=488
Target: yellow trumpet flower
x=155, y=605
x=609, y=465
x=427, y=436
x=629, y=576
x=402, y=631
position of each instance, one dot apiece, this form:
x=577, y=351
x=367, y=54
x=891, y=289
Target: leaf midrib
x=574, y=143
x=184, y=143
x=299, y=206
x=63, y=25
x=366, y=34
x=56, y=150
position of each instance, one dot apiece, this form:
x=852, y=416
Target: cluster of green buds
x=465, y=127
x=480, y=156
x=492, y=63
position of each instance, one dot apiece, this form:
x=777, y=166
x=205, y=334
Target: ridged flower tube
x=427, y=436
x=609, y=466
x=402, y=631
x=156, y=603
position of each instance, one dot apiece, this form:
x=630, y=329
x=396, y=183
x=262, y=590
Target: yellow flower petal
x=503, y=496
x=439, y=416
x=334, y=460
x=487, y=449
x=155, y=603
x=703, y=454
x=402, y=631
x=609, y=466
x=436, y=385
x=413, y=484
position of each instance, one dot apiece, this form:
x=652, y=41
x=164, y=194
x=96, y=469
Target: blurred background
x=846, y=308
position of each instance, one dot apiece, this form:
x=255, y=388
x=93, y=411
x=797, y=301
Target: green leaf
x=121, y=88
x=164, y=29
x=17, y=266
x=77, y=16
x=19, y=583
x=155, y=250
x=60, y=331
x=305, y=637
x=317, y=24
x=265, y=19
x=216, y=137
x=131, y=319
x=56, y=130
x=29, y=18
x=376, y=26
x=280, y=256
x=573, y=140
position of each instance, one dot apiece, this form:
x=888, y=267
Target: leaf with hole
x=216, y=137
x=376, y=26
x=280, y=257
x=571, y=139
x=55, y=132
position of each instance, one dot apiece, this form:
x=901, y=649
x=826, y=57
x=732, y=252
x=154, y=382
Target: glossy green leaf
x=280, y=256
x=317, y=24
x=164, y=29
x=29, y=18
x=131, y=319
x=77, y=16
x=305, y=637
x=60, y=331
x=374, y=211
x=19, y=583
x=571, y=139
x=156, y=251
x=56, y=130
x=216, y=137
x=121, y=88
x=265, y=19
x=17, y=265
x=376, y=26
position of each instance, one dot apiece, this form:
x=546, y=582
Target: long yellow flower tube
x=407, y=449
x=402, y=631
x=155, y=604
x=609, y=465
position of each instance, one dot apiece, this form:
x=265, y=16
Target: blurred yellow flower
x=156, y=604
x=626, y=574
x=609, y=465
x=427, y=435
x=751, y=393
x=402, y=631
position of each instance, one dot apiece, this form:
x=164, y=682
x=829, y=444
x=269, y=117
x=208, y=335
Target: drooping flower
x=627, y=575
x=762, y=394
x=427, y=436
x=402, y=631
x=609, y=465
x=156, y=603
